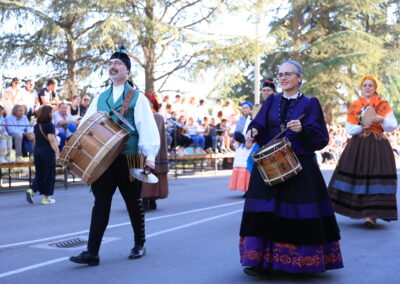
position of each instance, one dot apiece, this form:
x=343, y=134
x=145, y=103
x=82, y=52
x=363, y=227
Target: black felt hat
x=122, y=55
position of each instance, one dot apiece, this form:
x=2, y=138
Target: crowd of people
x=208, y=126
x=19, y=106
x=193, y=126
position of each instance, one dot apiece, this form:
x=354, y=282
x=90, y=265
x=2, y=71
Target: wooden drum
x=93, y=147
x=366, y=115
x=277, y=162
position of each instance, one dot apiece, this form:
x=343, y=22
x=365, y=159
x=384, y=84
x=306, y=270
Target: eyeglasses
x=115, y=63
x=86, y=100
x=287, y=74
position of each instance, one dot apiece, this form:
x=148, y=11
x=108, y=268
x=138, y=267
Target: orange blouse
x=380, y=105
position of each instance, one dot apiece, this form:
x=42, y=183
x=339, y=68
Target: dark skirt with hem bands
x=290, y=226
x=364, y=183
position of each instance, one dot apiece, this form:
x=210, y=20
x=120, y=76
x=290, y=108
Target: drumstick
x=284, y=130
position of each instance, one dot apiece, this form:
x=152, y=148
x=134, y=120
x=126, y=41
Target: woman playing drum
x=290, y=226
x=365, y=181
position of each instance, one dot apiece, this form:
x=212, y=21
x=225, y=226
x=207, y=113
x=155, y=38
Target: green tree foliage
x=338, y=42
x=70, y=36
x=171, y=37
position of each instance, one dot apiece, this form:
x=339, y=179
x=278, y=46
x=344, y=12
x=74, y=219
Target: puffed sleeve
x=314, y=133
x=390, y=122
x=260, y=122
x=149, y=136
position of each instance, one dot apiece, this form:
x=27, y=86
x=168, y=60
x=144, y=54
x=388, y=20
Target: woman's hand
x=295, y=126
x=252, y=133
x=377, y=118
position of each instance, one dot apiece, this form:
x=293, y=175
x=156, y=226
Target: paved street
x=192, y=238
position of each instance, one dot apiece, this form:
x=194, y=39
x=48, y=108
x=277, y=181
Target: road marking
x=31, y=267
x=120, y=225
x=16, y=271
x=193, y=223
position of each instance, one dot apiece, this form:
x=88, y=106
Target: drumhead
x=267, y=148
x=367, y=113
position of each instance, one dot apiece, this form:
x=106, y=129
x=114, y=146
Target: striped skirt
x=364, y=183
x=290, y=226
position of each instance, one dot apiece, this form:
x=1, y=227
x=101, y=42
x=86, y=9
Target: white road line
x=31, y=267
x=193, y=223
x=119, y=225
x=16, y=271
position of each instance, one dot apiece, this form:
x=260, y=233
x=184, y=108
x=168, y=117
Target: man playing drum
x=144, y=140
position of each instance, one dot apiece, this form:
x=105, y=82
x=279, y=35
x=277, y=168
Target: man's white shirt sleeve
x=149, y=137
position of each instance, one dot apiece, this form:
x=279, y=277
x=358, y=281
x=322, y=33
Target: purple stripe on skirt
x=257, y=252
x=292, y=211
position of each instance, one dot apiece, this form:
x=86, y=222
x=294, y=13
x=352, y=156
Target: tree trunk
x=70, y=85
x=329, y=113
x=149, y=48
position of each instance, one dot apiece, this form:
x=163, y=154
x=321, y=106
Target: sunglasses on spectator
x=287, y=74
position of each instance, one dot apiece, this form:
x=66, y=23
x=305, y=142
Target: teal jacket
x=106, y=103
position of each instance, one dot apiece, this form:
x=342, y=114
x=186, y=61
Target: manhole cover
x=72, y=243
x=78, y=242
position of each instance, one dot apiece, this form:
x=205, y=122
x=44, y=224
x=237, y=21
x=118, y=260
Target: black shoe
x=86, y=258
x=256, y=271
x=137, y=251
x=145, y=204
x=152, y=205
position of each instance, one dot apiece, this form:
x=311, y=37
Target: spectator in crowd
x=223, y=136
x=191, y=108
x=202, y=111
x=65, y=124
x=210, y=134
x=11, y=95
x=177, y=104
x=217, y=107
x=29, y=98
x=74, y=108
x=17, y=125
x=165, y=108
x=176, y=130
x=45, y=156
x=196, y=134
x=5, y=139
x=47, y=95
x=268, y=88
x=85, y=102
x=228, y=111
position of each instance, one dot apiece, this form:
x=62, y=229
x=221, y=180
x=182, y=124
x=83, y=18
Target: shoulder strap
x=127, y=101
x=41, y=130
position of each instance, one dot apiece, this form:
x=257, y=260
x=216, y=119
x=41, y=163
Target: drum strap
x=41, y=130
x=127, y=101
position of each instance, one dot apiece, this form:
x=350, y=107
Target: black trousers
x=45, y=168
x=117, y=175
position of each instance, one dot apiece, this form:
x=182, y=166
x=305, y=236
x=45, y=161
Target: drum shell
x=93, y=147
x=278, y=163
